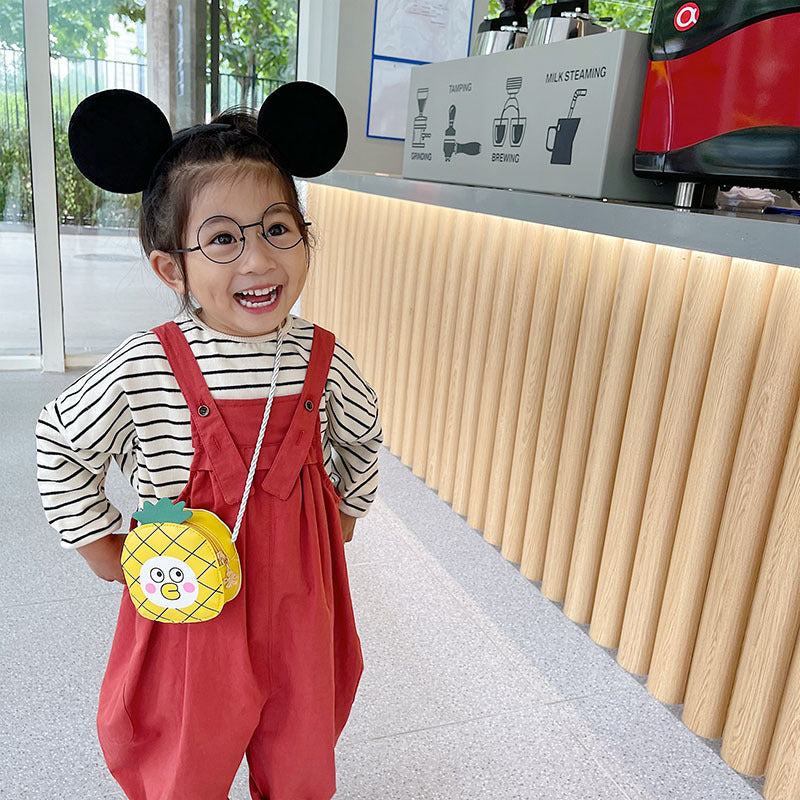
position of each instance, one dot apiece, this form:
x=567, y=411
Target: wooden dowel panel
x=601, y=464
x=783, y=765
x=668, y=462
x=566, y=329
x=389, y=322
x=512, y=381
x=347, y=252
x=380, y=280
x=540, y=334
x=448, y=230
x=513, y=374
x=407, y=271
x=771, y=629
x=315, y=210
x=488, y=286
x=431, y=233
x=306, y=296
x=683, y=571
x=751, y=494
x=334, y=225
x=588, y=363
x=492, y=383
x=335, y=249
x=455, y=270
x=350, y=269
x=462, y=343
x=363, y=272
x=534, y=404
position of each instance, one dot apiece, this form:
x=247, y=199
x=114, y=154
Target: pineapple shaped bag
x=181, y=564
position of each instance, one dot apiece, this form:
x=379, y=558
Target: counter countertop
x=770, y=239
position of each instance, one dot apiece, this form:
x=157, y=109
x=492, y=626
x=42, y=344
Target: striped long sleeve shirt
x=129, y=408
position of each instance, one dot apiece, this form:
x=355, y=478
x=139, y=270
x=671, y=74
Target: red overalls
x=275, y=674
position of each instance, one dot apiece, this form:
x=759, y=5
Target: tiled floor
x=475, y=686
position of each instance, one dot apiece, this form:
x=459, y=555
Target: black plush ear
x=116, y=137
x=306, y=127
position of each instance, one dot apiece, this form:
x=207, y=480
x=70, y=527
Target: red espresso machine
x=722, y=98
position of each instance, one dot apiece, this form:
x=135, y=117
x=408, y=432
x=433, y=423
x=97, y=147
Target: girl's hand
x=348, y=524
x=103, y=556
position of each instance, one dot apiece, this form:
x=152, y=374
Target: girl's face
x=271, y=277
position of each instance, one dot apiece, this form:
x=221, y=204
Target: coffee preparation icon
x=421, y=121
x=451, y=146
x=563, y=134
x=513, y=125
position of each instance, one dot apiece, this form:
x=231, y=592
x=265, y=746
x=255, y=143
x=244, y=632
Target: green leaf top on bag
x=162, y=511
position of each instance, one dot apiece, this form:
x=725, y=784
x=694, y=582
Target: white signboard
x=560, y=118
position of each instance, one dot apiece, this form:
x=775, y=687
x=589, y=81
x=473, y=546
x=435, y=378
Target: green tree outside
x=259, y=38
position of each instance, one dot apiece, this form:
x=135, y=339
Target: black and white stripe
x=130, y=408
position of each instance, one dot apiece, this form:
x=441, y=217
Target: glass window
x=19, y=315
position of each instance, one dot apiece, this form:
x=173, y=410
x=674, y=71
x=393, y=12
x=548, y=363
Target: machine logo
x=687, y=16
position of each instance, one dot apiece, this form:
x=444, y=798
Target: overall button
x=203, y=411
x=309, y=405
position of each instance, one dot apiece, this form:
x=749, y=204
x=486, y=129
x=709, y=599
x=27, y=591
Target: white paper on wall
x=436, y=30
x=388, y=100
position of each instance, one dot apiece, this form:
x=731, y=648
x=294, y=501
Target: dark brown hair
x=208, y=154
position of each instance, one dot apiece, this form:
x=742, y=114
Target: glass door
x=172, y=51
x=19, y=312
x=108, y=288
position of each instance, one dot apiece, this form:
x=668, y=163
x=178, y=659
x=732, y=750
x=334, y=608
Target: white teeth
x=259, y=292
x=269, y=296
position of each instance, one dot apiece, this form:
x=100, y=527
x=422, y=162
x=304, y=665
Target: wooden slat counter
x=620, y=416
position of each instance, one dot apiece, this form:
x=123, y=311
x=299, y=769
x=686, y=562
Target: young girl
x=180, y=409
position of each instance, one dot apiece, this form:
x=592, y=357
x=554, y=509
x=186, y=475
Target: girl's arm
x=77, y=435
x=355, y=434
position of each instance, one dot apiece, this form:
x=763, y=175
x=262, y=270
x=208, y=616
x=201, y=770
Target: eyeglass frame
x=242, y=228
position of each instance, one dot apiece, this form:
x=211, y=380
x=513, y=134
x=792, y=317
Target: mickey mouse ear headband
x=119, y=139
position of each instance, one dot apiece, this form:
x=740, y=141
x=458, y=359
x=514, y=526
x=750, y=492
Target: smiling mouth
x=259, y=299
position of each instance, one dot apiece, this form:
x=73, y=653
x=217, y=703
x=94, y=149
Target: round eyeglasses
x=222, y=240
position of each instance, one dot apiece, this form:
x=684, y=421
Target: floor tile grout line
x=441, y=725
x=60, y=600
x=592, y=696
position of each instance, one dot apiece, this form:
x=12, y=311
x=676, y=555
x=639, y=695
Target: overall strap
x=230, y=470
x=291, y=455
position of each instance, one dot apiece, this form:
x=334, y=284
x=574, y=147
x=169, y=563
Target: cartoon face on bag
x=168, y=582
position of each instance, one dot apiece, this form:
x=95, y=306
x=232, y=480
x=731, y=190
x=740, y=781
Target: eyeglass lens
x=222, y=239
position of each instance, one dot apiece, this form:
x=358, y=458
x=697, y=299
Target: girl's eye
x=277, y=229
x=223, y=239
